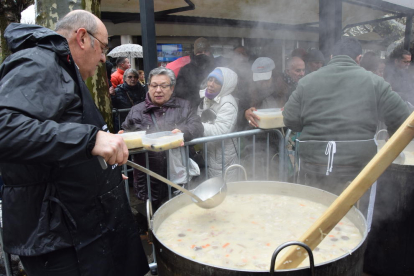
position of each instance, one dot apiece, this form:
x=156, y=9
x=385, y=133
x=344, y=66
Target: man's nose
x=103, y=58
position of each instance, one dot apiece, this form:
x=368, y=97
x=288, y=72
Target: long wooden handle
x=163, y=179
x=350, y=195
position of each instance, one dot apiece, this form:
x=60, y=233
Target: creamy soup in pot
x=244, y=231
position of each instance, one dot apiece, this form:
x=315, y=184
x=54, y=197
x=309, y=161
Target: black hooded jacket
x=127, y=96
x=55, y=193
x=191, y=76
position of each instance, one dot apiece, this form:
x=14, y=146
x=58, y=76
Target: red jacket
x=117, y=77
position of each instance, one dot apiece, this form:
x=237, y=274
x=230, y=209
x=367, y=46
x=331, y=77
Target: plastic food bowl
x=133, y=140
x=270, y=118
x=161, y=141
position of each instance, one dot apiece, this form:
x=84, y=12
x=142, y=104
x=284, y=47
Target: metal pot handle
x=286, y=244
x=233, y=166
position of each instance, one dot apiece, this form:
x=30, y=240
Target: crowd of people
x=77, y=220
x=225, y=92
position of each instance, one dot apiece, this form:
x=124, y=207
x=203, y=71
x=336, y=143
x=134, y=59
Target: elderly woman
x=218, y=111
x=161, y=111
x=128, y=94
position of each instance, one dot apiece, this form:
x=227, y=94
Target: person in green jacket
x=337, y=109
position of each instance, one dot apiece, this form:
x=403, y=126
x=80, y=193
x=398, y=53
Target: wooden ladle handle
x=340, y=207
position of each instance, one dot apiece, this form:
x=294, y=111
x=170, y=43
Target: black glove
x=208, y=115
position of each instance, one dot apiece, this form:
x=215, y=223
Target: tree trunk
x=10, y=11
x=48, y=12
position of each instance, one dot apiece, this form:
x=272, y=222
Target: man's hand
x=111, y=147
x=251, y=117
x=111, y=91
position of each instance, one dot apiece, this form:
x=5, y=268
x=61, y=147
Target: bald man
x=62, y=213
x=287, y=82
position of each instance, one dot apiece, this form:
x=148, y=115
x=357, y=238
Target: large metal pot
x=391, y=243
x=171, y=263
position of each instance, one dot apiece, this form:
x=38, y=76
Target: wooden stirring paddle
x=340, y=207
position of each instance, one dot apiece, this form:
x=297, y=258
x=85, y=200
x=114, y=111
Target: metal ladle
x=207, y=195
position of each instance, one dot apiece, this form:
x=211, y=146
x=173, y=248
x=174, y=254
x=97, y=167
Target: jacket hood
x=229, y=84
x=229, y=81
x=24, y=36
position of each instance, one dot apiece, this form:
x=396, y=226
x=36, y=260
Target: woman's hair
x=141, y=72
x=162, y=71
x=130, y=71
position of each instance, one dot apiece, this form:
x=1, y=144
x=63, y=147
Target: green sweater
x=342, y=102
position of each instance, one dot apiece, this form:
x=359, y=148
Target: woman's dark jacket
x=55, y=193
x=175, y=113
x=127, y=96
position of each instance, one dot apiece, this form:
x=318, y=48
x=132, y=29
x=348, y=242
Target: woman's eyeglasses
x=162, y=86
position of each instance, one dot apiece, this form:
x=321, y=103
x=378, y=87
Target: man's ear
x=81, y=37
x=358, y=59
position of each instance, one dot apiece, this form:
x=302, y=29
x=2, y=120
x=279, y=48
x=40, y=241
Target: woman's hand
x=251, y=117
x=178, y=131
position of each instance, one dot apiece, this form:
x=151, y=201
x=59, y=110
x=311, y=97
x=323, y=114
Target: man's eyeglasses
x=104, y=47
x=162, y=86
x=132, y=77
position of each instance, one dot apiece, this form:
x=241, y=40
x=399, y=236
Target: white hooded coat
x=224, y=107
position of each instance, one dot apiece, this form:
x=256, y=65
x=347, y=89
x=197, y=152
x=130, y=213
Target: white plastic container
x=161, y=141
x=270, y=118
x=133, y=140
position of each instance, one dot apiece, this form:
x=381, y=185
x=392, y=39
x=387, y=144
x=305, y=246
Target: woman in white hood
x=218, y=111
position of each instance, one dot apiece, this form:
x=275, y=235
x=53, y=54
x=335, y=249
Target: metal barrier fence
x=282, y=151
x=117, y=118
x=221, y=138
